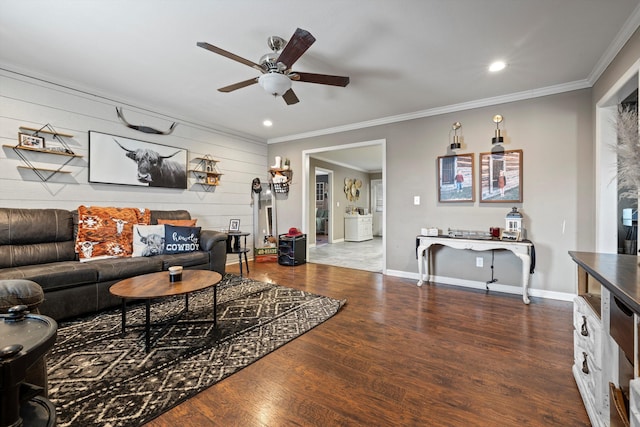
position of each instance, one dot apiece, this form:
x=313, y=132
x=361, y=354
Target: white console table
x=520, y=249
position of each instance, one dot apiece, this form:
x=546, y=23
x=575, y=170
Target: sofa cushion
x=35, y=236
x=122, y=268
x=174, y=214
x=56, y=275
x=181, y=239
x=105, y=232
x=188, y=259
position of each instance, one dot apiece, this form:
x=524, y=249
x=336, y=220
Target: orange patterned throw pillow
x=179, y=222
x=106, y=232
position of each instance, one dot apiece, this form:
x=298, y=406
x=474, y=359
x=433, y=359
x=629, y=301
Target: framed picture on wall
x=501, y=177
x=119, y=160
x=455, y=178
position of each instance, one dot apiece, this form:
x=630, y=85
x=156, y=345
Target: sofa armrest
x=215, y=243
x=209, y=238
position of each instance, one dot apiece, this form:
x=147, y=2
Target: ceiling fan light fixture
x=275, y=83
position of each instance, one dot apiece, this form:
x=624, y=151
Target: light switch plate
x=416, y=200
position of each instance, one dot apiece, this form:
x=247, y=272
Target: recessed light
x=267, y=123
x=497, y=66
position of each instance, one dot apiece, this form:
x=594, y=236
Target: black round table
x=24, y=339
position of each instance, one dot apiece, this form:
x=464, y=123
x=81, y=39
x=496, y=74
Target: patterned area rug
x=99, y=378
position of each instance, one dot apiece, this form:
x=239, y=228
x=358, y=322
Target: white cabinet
x=358, y=228
x=606, y=335
x=587, y=357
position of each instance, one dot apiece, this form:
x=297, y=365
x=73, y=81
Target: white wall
x=29, y=102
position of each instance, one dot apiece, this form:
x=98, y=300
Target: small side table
x=235, y=246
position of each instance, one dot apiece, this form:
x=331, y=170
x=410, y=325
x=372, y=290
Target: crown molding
x=496, y=100
x=630, y=26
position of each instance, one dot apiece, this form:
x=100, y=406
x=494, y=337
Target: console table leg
x=526, y=265
x=423, y=260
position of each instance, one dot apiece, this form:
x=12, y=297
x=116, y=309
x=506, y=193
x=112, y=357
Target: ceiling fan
x=276, y=67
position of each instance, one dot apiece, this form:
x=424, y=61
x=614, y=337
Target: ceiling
x=404, y=58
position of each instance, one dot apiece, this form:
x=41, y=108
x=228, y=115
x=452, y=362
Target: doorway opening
x=323, y=208
x=340, y=163
x=608, y=215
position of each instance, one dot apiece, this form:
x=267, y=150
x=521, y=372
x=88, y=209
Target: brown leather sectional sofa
x=39, y=245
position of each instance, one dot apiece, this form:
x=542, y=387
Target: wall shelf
x=40, y=150
x=206, y=172
x=60, y=148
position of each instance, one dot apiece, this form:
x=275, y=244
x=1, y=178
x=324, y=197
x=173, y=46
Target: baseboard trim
x=497, y=287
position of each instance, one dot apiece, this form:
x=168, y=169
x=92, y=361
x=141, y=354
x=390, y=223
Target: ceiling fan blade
x=290, y=97
x=323, y=79
x=230, y=55
x=299, y=43
x=238, y=85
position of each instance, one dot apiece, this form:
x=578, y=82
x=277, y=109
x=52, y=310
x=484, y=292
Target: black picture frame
x=120, y=160
x=456, y=181
x=493, y=166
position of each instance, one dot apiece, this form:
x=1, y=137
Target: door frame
x=606, y=194
x=306, y=177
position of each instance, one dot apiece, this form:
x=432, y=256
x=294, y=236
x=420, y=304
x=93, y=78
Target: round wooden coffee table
x=157, y=285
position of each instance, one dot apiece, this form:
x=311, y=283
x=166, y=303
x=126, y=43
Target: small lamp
x=275, y=83
x=456, y=145
x=498, y=139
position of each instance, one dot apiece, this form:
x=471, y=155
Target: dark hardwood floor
x=397, y=354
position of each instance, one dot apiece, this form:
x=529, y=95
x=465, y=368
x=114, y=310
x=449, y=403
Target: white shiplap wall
x=27, y=101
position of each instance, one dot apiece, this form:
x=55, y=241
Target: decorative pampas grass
x=628, y=150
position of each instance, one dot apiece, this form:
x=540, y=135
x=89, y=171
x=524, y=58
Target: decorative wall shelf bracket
x=206, y=172
x=60, y=149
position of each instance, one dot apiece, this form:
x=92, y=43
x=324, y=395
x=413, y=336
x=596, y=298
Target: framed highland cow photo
x=118, y=160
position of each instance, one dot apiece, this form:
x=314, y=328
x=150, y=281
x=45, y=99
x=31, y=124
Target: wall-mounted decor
x=26, y=140
x=145, y=129
x=501, y=177
x=498, y=138
x=455, y=178
x=352, y=188
x=119, y=160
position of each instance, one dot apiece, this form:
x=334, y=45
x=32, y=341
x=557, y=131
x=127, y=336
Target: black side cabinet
x=292, y=250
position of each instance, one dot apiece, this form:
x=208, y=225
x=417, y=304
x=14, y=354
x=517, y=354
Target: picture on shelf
x=455, y=178
x=32, y=141
x=234, y=226
x=212, y=180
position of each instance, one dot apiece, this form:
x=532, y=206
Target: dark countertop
x=620, y=274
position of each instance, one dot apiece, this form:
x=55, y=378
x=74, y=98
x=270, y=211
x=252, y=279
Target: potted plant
x=628, y=151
